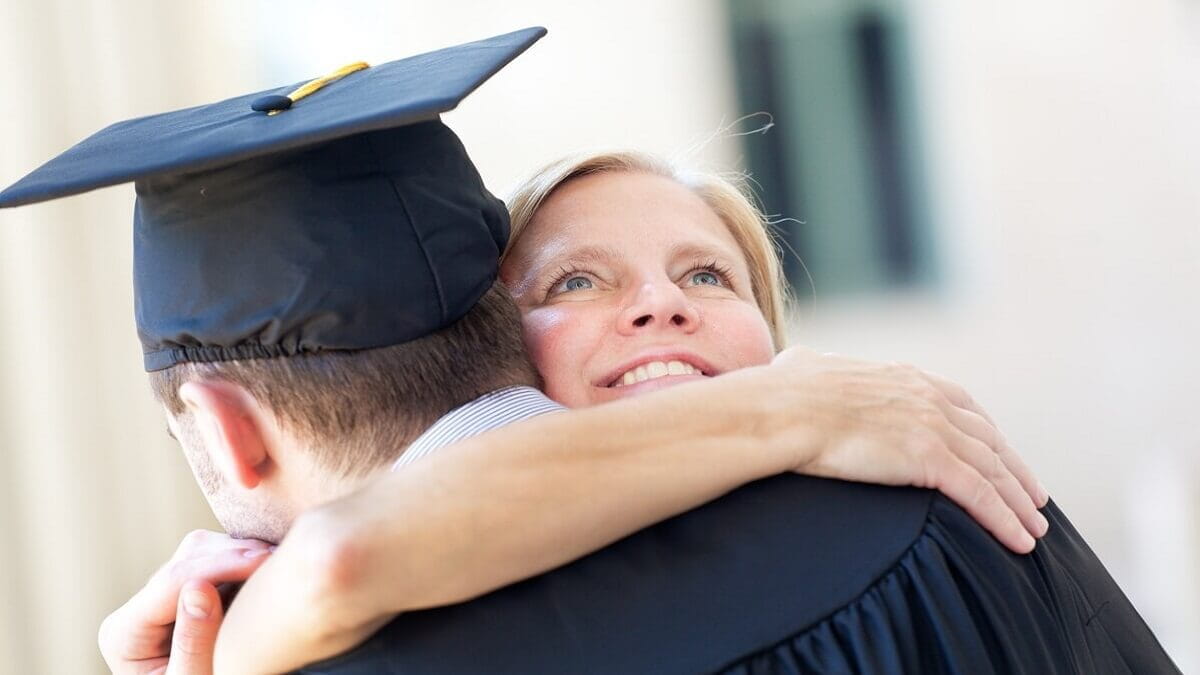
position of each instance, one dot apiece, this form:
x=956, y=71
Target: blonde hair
x=732, y=202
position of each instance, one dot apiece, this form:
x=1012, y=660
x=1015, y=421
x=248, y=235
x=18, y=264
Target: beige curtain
x=93, y=494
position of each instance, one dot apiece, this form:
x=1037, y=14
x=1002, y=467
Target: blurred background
x=1002, y=192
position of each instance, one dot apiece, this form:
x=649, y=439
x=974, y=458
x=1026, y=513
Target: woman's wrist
x=765, y=411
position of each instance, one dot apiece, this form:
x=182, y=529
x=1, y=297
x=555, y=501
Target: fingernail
x=1030, y=542
x=1043, y=525
x=255, y=552
x=197, y=604
x=1043, y=495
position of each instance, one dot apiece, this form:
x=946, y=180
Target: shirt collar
x=490, y=411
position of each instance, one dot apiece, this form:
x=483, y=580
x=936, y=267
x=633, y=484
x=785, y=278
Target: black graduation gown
x=792, y=575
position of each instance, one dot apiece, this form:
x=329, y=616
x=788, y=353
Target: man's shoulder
x=685, y=595
x=792, y=574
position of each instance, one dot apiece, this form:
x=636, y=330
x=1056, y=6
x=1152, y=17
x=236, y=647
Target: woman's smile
x=629, y=282
x=653, y=371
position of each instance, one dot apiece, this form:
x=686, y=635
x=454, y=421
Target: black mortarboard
x=351, y=219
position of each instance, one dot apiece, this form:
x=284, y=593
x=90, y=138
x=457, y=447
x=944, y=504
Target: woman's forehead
x=622, y=209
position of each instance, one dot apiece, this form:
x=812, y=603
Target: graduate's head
x=267, y=438
x=314, y=273
x=633, y=274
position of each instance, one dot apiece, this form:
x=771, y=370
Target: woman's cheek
x=554, y=339
x=743, y=331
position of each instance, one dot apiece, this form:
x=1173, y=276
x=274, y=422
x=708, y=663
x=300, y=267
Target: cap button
x=271, y=103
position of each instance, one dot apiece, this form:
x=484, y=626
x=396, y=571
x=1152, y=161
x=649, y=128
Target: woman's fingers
x=197, y=619
x=966, y=438
x=156, y=603
x=953, y=444
x=965, y=486
x=962, y=399
x=974, y=420
x=141, y=628
x=986, y=449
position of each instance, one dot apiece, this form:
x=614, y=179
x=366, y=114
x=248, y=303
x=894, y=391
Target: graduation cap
x=336, y=215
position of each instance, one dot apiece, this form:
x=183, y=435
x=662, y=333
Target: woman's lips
x=653, y=370
x=652, y=384
x=655, y=366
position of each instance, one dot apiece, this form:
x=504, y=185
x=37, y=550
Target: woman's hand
x=898, y=425
x=171, y=623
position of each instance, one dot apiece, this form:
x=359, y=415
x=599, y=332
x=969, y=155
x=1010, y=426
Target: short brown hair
x=358, y=409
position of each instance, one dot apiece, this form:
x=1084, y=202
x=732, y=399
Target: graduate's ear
x=226, y=419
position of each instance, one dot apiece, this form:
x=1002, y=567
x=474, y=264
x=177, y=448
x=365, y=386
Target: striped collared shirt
x=490, y=411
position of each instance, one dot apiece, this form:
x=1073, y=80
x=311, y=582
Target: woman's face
x=628, y=282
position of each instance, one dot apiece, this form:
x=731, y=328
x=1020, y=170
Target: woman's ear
x=224, y=415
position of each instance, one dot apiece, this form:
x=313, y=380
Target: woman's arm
x=524, y=499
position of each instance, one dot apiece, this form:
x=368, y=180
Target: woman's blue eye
x=705, y=279
x=577, y=284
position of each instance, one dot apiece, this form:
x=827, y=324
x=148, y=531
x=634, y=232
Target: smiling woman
x=615, y=257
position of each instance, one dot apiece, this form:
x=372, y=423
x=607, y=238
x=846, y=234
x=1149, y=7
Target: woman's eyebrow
x=694, y=250
x=592, y=253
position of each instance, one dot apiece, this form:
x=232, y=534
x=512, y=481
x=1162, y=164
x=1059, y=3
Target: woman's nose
x=658, y=306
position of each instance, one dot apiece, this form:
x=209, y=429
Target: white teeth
x=655, y=369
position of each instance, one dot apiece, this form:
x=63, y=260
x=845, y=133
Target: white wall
x=93, y=495
x=1065, y=157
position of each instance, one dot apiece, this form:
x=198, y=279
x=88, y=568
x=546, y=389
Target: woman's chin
x=604, y=394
